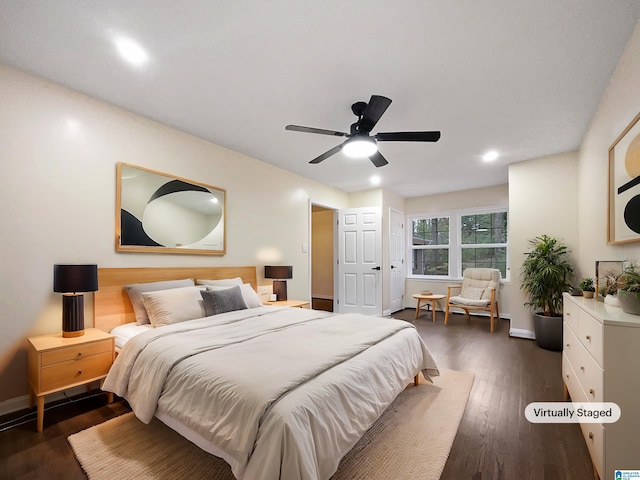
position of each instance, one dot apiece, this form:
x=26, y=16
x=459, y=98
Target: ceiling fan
x=359, y=142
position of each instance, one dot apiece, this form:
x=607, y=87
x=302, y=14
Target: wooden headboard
x=111, y=305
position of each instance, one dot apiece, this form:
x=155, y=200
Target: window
x=430, y=243
x=443, y=245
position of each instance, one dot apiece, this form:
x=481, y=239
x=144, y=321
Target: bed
x=276, y=392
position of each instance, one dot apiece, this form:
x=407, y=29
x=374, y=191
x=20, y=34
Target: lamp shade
x=279, y=272
x=75, y=278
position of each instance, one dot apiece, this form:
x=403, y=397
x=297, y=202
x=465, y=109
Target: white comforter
x=276, y=392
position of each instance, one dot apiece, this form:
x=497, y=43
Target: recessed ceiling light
x=375, y=180
x=490, y=156
x=131, y=51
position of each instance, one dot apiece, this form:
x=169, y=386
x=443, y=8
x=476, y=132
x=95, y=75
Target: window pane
x=432, y=261
x=484, y=228
x=430, y=231
x=485, y=258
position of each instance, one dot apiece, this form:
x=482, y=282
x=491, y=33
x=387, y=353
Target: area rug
x=411, y=439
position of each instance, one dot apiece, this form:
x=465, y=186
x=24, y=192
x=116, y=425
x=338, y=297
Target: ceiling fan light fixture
x=360, y=148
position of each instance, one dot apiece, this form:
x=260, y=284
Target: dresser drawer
x=588, y=371
x=76, y=352
x=571, y=314
x=594, y=438
x=66, y=374
x=571, y=345
x=590, y=333
x=570, y=379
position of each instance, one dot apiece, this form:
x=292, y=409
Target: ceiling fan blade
x=408, y=136
x=297, y=128
x=327, y=154
x=378, y=160
x=375, y=109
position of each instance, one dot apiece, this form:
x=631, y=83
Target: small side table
x=433, y=298
x=57, y=363
x=289, y=303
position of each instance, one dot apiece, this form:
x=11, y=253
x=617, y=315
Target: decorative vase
x=629, y=302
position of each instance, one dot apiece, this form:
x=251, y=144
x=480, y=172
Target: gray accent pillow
x=221, y=301
x=135, y=291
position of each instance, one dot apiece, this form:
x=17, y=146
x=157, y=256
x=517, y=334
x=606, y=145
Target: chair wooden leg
x=491, y=316
x=497, y=312
x=446, y=314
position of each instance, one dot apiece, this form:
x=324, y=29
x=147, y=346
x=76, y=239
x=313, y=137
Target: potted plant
x=546, y=275
x=587, y=286
x=629, y=290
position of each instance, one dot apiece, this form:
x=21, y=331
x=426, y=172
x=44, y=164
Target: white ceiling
x=520, y=76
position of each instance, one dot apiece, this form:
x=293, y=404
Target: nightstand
x=289, y=303
x=57, y=363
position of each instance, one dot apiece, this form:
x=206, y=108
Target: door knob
x=375, y=268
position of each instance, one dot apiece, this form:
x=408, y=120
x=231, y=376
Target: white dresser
x=601, y=363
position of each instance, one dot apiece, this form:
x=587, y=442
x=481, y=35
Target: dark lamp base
x=72, y=315
x=280, y=289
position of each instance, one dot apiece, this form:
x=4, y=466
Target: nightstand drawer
x=76, y=352
x=72, y=372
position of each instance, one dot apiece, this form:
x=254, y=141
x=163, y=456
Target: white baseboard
x=22, y=403
x=522, y=333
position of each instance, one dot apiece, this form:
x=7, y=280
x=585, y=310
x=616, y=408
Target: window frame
x=455, y=246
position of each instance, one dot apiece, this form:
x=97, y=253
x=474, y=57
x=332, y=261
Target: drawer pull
x=588, y=337
x=567, y=375
x=582, y=368
x=591, y=391
x=79, y=373
x=590, y=436
x=568, y=345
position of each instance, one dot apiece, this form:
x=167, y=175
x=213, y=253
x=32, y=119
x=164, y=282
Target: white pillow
x=165, y=307
x=135, y=295
x=231, y=282
x=249, y=295
x=472, y=293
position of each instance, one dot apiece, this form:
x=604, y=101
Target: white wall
x=542, y=200
x=619, y=105
x=58, y=154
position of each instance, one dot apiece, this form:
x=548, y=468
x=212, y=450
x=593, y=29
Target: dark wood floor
x=494, y=440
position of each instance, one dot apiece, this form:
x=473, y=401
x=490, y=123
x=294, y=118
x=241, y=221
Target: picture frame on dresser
x=623, y=223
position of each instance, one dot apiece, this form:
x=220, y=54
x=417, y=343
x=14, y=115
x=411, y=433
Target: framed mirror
x=160, y=213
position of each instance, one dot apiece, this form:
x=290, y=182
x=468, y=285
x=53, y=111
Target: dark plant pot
x=629, y=302
x=548, y=331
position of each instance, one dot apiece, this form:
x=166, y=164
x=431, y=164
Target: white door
x=396, y=254
x=360, y=261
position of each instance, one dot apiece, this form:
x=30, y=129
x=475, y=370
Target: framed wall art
x=161, y=213
x=624, y=186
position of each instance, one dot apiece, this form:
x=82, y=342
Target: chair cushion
x=470, y=302
x=486, y=278
x=472, y=293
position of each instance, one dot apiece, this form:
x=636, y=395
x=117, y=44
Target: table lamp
x=279, y=274
x=72, y=281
